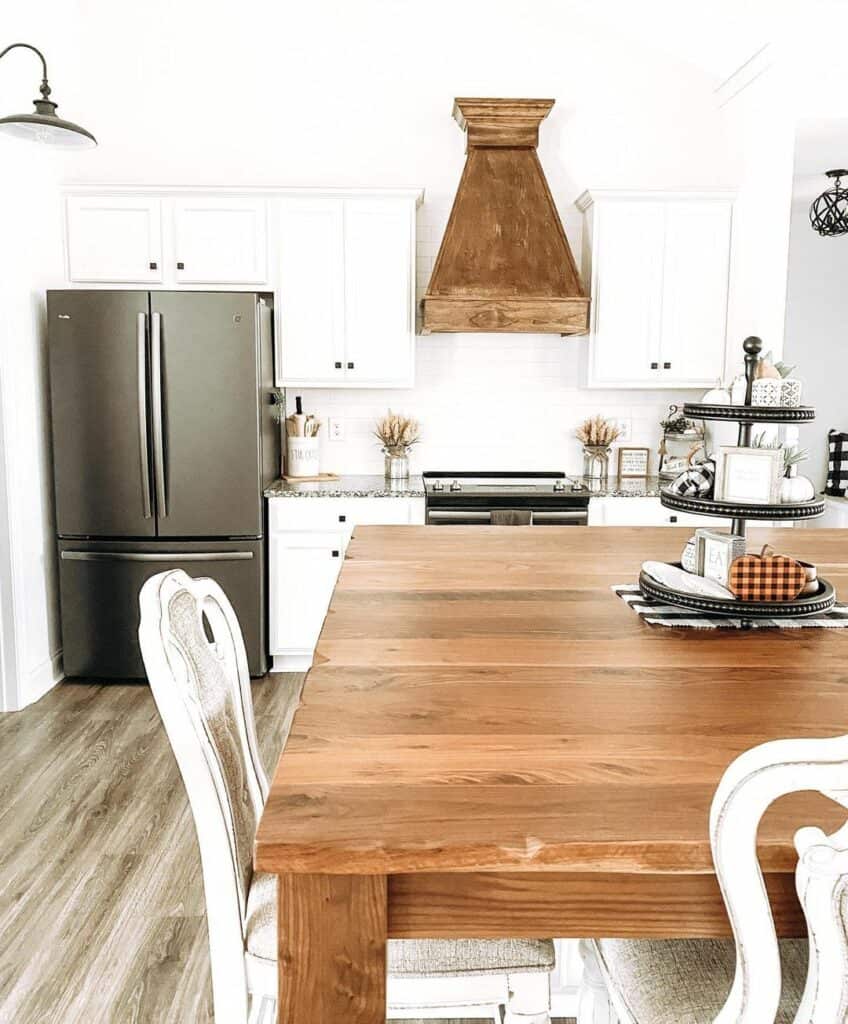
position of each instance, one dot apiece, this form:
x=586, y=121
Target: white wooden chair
x=727, y=982
x=202, y=691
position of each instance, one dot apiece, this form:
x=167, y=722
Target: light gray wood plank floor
x=101, y=898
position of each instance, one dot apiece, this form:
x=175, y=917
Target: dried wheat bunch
x=396, y=431
x=597, y=432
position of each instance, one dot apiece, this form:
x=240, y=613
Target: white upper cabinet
x=379, y=262
x=310, y=291
x=114, y=239
x=346, y=297
x=627, y=250
x=220, y=241
x=659, y=272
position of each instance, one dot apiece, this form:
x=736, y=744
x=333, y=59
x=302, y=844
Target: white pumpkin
x=717, y=396
x=796, y=489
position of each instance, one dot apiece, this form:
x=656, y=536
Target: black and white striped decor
x=837, y=464
x=655, y=613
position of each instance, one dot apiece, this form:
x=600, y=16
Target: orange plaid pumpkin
x=766, y=577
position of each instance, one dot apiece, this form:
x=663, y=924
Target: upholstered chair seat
x=686, y=981
x=410, y=958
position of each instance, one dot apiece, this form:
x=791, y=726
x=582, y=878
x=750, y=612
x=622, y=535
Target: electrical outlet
x=626, y=428
x=335, y=428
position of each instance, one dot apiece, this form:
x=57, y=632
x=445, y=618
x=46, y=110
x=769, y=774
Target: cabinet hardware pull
x=181, y=266
x=335, y=554
x=342, y=519
x=338, y=366
x=153, y=265
x=350, y=366
x=655, y=366
x=666, y=366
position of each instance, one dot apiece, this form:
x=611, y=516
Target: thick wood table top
x=481, y=701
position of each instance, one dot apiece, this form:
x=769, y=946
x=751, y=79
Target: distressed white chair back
x=750, y=785
x=202, y=691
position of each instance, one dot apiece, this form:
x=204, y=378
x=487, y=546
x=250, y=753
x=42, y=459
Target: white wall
x=762, y=132
x=361, y=93
x=30, y=262
x=817, y=298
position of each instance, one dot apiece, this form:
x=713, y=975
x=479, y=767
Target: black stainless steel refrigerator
x=163, y=442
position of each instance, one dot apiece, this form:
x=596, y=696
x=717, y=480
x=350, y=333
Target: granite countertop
x=348, y=487
x=376, y=487
x=630, y=487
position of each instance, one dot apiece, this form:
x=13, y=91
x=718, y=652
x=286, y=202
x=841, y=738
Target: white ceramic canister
x=766, y=391
x=790, y=392
x=302, y=455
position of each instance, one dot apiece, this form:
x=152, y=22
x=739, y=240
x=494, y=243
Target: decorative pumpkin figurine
x=738, y=389
x=719, y=395
x=795, y=489
x=695, y=482
x=766, y=577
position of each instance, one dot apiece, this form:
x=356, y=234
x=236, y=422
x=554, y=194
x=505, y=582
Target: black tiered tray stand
x=745, y=415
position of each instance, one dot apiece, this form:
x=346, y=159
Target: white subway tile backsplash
x=486, y=401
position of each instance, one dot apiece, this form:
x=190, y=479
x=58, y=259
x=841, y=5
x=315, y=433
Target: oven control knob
x=456, y=486
x=559, y=485
x=438, y=485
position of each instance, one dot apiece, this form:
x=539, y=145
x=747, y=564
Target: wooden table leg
x=332, y=949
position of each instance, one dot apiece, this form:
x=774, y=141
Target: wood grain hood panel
x=504, y=264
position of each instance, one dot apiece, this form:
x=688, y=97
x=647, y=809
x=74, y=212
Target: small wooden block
x=310, y=479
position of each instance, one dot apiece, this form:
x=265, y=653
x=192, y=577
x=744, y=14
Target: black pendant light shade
x=829, y=213
x=43, y=125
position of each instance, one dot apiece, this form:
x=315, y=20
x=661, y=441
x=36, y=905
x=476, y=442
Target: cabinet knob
x=350, y=366
x=181, y=266
x=153, y=265
x=342, y=519
x=655, y=366
x=666, y=366
x=338, y=366
x=335, y=554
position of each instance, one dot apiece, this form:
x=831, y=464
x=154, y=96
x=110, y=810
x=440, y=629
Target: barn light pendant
x=829, y=213
x=43, y=126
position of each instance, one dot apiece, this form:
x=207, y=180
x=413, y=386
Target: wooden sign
x=633, y=462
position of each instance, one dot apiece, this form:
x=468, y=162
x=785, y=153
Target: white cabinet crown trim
x=415, y=193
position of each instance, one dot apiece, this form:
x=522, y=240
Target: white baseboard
x=41, y=680
x=300, y=662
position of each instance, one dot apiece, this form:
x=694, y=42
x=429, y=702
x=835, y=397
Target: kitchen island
x=492, y=744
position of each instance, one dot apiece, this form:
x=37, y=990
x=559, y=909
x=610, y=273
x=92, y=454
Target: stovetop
x=501, y=484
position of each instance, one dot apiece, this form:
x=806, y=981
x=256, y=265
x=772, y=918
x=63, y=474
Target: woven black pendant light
x=829, y=213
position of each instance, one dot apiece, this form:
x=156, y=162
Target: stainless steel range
x=504, y=499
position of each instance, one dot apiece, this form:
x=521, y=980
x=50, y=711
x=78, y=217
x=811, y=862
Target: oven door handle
x=458, y=515
x=561, y=516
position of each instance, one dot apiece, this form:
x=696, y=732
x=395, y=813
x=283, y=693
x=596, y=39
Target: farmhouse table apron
x=491, y=744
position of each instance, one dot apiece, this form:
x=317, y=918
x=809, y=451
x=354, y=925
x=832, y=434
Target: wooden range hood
x=504, y=264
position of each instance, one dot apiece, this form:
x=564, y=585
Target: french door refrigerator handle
x=157, y=556
x=158, y=443
x=144, y=454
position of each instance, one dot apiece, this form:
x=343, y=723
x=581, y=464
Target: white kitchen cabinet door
x=114, y=239
x=638, y=511
x=379, y=299
x=696, y=269
x=304, y=568
x=220, y=240
x=310, y=293
x=626, y=274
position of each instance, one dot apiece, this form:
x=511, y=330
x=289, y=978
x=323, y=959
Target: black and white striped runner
x=658, y=614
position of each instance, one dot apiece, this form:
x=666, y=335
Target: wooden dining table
x=492, y=744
